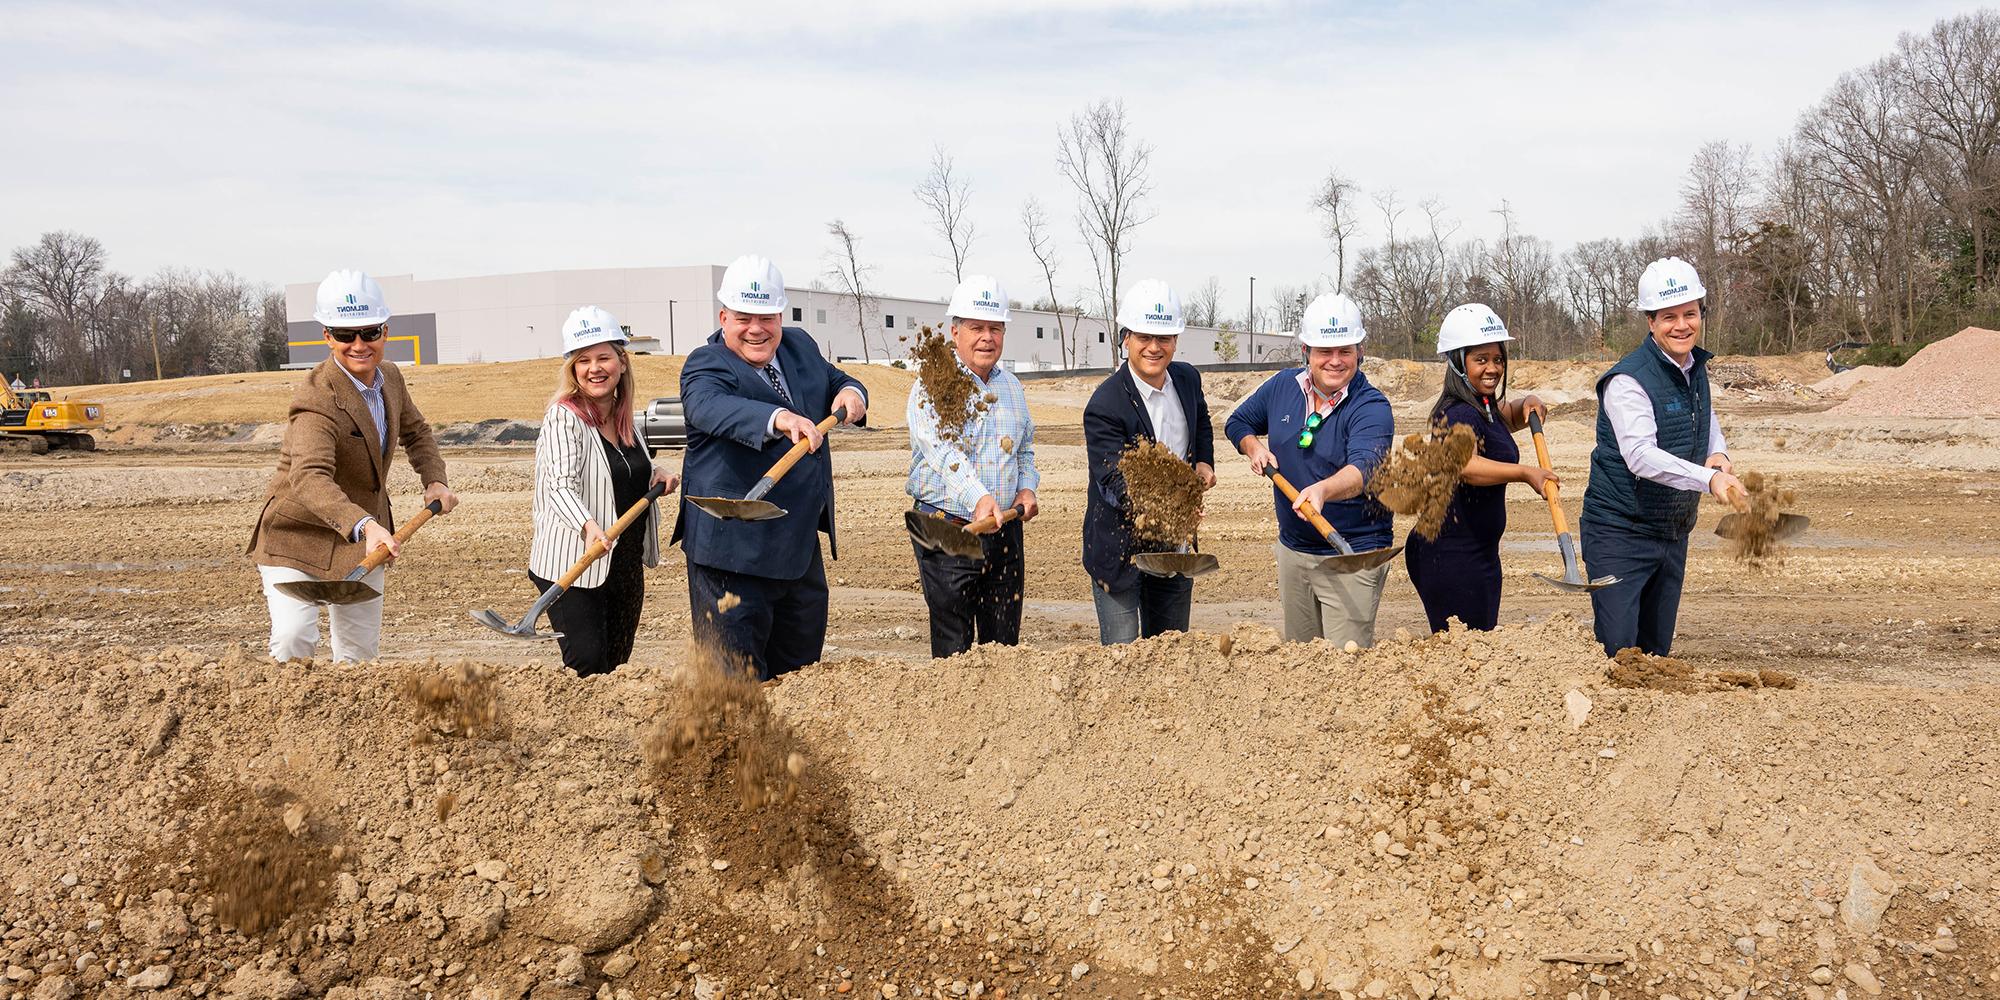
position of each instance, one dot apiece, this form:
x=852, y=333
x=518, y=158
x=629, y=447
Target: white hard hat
x=590, y=325
x=979, y=297
x=1669, y=281
x=1332, y=320
x=1469, y=325
x=349, y=299
x=752, y=284
x=1151, y=307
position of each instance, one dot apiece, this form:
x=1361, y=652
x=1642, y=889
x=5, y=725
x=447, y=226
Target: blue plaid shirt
x=994, y=455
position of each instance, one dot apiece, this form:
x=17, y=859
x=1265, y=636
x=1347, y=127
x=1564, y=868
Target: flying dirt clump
x=720, y=708
x=261, y=866
x=462, y=700
x=1163, y=493
x=949, y=390
x=1420, y=477
x=1755, y=538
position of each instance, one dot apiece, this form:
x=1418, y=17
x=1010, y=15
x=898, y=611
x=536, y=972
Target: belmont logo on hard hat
x=1470, y=325
x=349, y=299
x=590, y=325
x=978, y=297
x=1162, y=320
x=1342, y=327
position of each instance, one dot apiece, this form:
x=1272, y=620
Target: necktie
x=779, y=387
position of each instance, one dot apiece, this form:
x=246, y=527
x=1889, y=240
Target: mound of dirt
x=1634, y=669
x=1420, y=477
x=1463, y=815
x=1162, y=492
x=1955, y=377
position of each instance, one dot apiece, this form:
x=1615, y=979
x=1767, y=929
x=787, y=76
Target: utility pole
x=1251, y=322
x=670, y=327
x=154, y=325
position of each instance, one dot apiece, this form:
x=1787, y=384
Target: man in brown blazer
x=328, y=504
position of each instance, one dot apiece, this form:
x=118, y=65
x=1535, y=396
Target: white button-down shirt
x=1163, y=408
x=1630, y=411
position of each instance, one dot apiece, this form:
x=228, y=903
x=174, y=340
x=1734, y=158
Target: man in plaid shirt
x=965, y=476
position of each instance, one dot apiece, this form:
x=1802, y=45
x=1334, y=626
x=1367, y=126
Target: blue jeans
x=1640, y=609
x=1154, y=605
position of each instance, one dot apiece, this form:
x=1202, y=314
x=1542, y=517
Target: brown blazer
x=332, y=471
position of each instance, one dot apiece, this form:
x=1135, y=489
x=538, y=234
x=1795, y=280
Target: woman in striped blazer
x=590, y=466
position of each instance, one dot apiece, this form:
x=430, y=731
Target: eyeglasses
x=368, y=334
x=1312, y=424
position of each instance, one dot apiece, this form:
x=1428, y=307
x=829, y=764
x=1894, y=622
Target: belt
x=926, y=509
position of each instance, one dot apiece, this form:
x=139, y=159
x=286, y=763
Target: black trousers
x=776, y=626
x=599, y=623
x=974, y=600
x=1457, y=576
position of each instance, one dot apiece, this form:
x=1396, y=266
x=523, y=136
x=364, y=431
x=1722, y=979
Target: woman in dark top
x=1458, y=574
x=590, y=467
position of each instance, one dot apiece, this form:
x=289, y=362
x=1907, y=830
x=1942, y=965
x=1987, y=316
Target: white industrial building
x=672, y=310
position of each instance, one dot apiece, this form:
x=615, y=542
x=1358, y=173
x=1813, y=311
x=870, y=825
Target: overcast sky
x=281, y=140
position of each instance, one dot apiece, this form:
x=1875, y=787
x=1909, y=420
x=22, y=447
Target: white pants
x=356, y=628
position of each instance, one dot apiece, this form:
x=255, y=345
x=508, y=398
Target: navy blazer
x=728, y=406
x=1114, y=420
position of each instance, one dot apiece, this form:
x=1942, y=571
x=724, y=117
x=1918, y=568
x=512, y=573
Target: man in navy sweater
x=1329, y=429
x=752, y=391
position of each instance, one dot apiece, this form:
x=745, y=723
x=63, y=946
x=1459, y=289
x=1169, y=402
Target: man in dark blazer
x=327, y=506
x=758, y=588
x=1150, y=397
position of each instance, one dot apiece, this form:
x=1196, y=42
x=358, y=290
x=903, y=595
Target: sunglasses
x=368, y=334
x=1312, y=424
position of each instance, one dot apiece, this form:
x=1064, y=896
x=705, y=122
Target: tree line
x=1876, y=220
x=66, y=318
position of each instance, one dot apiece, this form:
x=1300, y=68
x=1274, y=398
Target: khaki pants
x=1321, y=604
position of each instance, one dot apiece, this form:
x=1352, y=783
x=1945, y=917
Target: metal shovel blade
x=1360, y=561
x=521, y=630
x=737, y=510
x=325, y=592
x=1788, y=526
x=940, y=535
x=1579, y=585
x=1188, y=564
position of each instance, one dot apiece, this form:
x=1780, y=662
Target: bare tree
x=1335, y=203
x=850, y=278
x=1715, y=202
x=60, y=277
x=1108, y=167
x=1202, y=306
x=944, y=194
x=1035, y=225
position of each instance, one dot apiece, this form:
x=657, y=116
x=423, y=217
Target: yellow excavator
x=32, y=420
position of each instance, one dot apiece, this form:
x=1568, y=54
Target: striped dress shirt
x=572, y=486
x=994, y=455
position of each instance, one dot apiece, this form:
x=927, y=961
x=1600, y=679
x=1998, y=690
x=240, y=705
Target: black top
x=631, y=473
x=1113, y=420
x=1480, y=512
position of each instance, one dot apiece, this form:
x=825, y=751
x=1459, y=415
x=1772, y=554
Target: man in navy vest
x=1328, y=428
x=1659, y=448
x=752, y=391
x=1150, y=397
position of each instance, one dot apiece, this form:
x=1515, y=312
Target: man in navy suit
x=1154, y=397
x=750, y=393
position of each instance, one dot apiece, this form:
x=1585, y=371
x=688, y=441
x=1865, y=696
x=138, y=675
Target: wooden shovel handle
x=994, y=522
x=1313, y=517
x=596, y=550
x=1549, y=491
x=375, y=558
x=799, y=449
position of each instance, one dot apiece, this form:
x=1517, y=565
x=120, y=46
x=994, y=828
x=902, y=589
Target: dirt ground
x=1118, y=799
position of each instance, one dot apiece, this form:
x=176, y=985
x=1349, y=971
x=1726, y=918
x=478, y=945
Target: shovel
x=525, y=628
x=939, y=535
x=1189, y=564
x=753, y=506
x=1348, y=561
x=351, y=590
x=1573, y=579
x=1733, y=525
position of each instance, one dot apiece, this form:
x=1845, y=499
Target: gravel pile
x=1955, y=377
